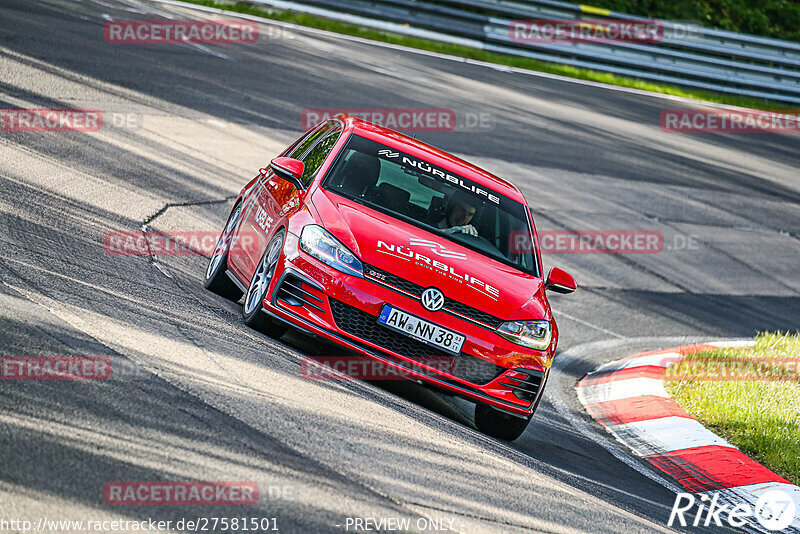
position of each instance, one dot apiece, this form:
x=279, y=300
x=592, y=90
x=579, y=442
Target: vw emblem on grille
x=432, y=299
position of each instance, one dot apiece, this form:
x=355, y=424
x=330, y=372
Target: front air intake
x=526, y=389
x=292, y=292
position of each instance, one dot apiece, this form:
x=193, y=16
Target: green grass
x=760, y=417
x=482, y=55
x=779, y=19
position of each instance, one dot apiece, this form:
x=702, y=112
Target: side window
x=303, y=145
x=315, y=147
x=316, y=156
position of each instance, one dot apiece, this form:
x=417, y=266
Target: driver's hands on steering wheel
x=466, y=229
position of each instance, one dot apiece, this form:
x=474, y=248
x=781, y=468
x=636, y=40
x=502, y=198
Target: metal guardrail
x=687, y=55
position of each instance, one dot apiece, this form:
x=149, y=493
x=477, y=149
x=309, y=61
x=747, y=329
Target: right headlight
x=319, y=243
x=531, y=334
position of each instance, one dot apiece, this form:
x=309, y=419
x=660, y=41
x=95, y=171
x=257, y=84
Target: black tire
x=216, y=280
x=499, y=424
x=252, y=312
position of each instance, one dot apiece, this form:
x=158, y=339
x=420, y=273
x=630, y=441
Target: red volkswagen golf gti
x=403, y=253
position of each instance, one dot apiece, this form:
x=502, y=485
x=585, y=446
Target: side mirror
x=560, y=281
x=289, y=169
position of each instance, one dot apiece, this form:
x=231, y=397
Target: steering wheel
x=478, y=242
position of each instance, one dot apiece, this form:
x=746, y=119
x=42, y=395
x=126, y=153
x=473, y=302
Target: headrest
x=360, y=172
x=391, y=195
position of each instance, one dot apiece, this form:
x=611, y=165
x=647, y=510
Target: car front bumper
x=344, y=309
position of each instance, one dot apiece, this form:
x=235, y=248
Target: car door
x=273, y=198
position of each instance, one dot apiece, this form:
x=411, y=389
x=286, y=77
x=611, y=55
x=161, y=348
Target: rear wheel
x=252, y=312
x=499, y=424
x=216, y=279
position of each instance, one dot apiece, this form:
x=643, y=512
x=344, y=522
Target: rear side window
x=315, y=147
x=316, y=156
x=304, y=144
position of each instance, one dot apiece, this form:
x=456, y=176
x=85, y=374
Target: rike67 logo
x=775, y=510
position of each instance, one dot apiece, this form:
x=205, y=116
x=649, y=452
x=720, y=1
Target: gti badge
x=432, y=299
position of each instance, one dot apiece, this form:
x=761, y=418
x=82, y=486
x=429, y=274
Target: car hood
x=428, y=260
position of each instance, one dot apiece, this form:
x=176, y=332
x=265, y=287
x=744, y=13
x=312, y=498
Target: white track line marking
x=665, y=434
x=207, y=50
x=654, y=360
x=590, y=325
x=622, y=389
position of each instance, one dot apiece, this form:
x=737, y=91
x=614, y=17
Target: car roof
x=431, y=154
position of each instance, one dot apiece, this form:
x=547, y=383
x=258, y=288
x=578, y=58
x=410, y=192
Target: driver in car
x=460, y=211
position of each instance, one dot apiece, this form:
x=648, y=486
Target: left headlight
x=531, y=334
x=319, y=243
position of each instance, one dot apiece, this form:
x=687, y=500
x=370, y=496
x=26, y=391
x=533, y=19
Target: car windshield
x=436, y=200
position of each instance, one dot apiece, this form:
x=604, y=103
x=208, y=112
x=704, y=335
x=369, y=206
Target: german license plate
x=421, y=330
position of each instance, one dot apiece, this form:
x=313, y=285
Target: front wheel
x=252, y=312
x=499, y=424
x=216, y=279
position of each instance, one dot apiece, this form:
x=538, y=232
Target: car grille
x=451, y=306
x=366, y=327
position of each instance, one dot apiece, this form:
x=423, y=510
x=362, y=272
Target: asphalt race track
x=197, y=396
